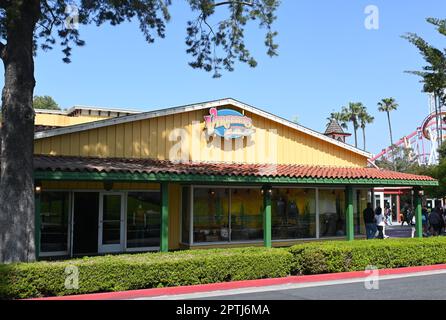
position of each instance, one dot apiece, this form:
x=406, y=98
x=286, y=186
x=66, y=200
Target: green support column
x=349, y=228
x=267, y=225
x=37, y=224
x=164, y=217
x=418, y=213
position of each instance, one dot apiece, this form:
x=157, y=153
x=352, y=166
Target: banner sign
x=228, y=124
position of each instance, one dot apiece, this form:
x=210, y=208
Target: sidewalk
x=228, y=286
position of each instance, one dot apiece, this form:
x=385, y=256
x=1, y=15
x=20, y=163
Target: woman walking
x=380, y=222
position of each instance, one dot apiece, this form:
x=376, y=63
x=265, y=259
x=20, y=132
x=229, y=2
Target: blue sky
x=327, y=58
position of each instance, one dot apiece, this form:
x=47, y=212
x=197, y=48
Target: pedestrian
x=436, y=221
x=379, y=220
x=425, y=221
x=369, y=220
x=404, y=214
x=388, y=215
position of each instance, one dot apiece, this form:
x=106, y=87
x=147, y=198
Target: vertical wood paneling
x=65, y=145
x=136, y=139
x=74, y=144
x=153, y=150
x=128, y=140
x=111, y=142
x=84, y=143
x=38, y=147
x=145, y=138
x=120, y=141
x=169, y=129
x=93, y=143
x=55, y=145
x=150, y=139
x=161, y=138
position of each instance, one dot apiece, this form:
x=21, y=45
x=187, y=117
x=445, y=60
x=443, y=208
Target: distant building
x=52, y=119
x=335, y=131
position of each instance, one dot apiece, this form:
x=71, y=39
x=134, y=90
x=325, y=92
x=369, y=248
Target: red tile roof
x=118, y=165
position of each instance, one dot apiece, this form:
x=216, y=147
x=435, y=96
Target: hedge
x=152, y=270
x=342, y=256
x=140, y=271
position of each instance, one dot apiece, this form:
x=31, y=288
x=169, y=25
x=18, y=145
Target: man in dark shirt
x=369, y=220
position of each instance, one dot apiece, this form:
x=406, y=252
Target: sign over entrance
x=229, y=124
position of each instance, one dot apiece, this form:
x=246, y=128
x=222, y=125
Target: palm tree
x=339, y=117
x=351, y=114
x=388, y=105
x=364, y=119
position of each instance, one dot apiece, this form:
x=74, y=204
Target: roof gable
x=195, y=107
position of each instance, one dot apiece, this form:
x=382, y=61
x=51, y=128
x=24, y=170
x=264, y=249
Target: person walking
x=425, y=221
x=369, y=220
x=388, y=215
x=405, y=213
x=436, y=221
x=380, y=223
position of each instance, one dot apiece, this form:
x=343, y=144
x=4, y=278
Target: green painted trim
x=349, y=214
x=418, y=217
x=203, y=179
x=37, y=225
x=267, y=218
x=164, y=247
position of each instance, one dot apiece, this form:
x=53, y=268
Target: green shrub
x=150, y=270
x=342, y=256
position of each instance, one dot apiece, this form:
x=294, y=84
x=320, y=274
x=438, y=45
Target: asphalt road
x=429, y=287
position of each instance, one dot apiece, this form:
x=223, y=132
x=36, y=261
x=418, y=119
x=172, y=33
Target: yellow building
x=219, y=173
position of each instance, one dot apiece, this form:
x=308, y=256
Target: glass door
x=111, y=223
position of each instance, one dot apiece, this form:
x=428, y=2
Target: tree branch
x=234, y=2
x=2, y=51
x=5, y=3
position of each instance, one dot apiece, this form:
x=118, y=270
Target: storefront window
x=211, y=215
x=246, y=214
x=54, y=211
x=143, y=219
x=332, y=213
x=293, y=214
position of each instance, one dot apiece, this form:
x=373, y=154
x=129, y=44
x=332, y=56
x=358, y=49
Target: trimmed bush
x=152, y=270
x=342, y=256
x=141, y=271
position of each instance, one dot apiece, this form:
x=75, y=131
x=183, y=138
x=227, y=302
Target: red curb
x=157, y=292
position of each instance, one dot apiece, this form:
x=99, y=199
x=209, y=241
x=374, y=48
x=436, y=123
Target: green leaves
x=215, y=38
x=387, y=105
x=218, y=45
x=433, y=75
x=45, y=102
x=142, y=271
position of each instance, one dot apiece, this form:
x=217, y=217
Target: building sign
x=228, y=124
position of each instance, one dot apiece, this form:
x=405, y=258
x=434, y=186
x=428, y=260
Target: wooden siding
x=154, y=138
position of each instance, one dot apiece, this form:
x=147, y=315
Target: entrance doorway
x=111, y=223
x=85, y=223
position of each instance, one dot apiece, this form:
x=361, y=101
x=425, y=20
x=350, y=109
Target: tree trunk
x=363, y=138
x=17, y=136
x=390, y=128
x=356, y=137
